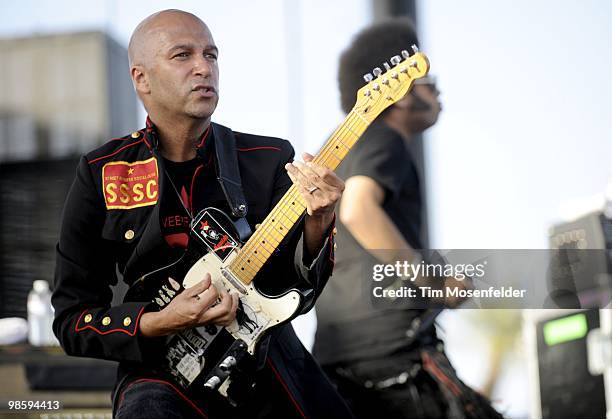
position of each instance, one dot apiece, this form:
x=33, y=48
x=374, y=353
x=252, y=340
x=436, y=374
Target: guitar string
x=281, y=208
x=323, y=156
x=279, y=212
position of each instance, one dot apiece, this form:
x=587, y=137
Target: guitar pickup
x=232, y=280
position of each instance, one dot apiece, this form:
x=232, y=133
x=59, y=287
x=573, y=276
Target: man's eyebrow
x=191, y=46
x=180, y=46
x=212, y=48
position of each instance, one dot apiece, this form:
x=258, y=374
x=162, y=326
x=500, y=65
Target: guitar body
x=204, y=358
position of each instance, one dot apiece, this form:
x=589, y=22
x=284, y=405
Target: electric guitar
x=208, y=358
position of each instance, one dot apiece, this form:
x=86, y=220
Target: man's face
x=183, y=74
x=423, y=107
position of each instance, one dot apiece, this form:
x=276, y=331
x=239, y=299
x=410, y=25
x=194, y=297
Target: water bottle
x=40, y=315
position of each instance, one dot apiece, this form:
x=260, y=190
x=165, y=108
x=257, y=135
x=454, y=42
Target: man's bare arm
x=362, y=213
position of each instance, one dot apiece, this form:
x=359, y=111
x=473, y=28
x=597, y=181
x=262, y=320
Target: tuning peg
x=368, y=77
x=377, y=72
x=395, y=60
x=405, y=54
x=387, y=66
x=415, y=49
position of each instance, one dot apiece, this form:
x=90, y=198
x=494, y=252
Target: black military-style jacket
x=111, y=226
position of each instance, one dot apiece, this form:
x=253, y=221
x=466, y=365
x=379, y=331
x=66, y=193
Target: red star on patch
x=204, y=225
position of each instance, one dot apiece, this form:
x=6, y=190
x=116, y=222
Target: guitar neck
x=291, y=206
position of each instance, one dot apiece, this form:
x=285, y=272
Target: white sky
x=526, y=131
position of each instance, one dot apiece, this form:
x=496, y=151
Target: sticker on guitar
x=167, y=292
x=219, y=241
x=185, y=355
x=249, y=321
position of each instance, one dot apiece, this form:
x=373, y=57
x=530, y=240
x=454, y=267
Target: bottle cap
x=40, y=285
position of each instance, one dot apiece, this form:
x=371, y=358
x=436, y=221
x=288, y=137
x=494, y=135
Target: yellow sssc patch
x=130, y=185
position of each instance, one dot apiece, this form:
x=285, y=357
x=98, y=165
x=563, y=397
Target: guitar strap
x=228, y=175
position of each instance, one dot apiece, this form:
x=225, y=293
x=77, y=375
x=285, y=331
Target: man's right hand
x=191, y=308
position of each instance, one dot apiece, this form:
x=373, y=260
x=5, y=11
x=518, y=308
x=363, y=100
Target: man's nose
x=202, y=66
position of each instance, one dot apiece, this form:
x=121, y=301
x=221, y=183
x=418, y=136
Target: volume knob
x=212, y=383
x=227, y=363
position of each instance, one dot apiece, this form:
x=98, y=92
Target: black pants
x=416, y=385
x=153, y=398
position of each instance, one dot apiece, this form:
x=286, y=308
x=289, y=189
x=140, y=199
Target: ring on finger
x=312, y=189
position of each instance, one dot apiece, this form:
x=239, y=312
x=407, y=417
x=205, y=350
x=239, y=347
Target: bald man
x=129, y=211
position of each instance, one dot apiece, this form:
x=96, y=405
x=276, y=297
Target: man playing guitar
x=130, y=211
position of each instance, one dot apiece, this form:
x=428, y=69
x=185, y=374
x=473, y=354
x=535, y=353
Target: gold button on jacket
x=129, y=235
x=127, y=321
x=106, y=321
x=88, y=318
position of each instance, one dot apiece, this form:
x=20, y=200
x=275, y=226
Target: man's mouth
x=204, y=90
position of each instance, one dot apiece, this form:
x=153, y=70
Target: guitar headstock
x=385, y=88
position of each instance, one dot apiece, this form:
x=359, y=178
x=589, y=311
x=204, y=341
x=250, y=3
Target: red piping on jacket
x=278, y=377
x=106, y=332
x=204, y=137
x=120, y=139
x=117, y=151
x=332, y=241
x=141, y=380
x=259, y=148
x=193, y=178
x=430, y=365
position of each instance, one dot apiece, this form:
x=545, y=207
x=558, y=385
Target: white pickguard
x=263, y=312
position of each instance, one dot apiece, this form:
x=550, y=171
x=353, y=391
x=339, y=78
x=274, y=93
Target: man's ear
x=140, y=79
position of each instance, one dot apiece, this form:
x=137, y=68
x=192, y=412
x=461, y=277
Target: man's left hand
x=320, y=187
